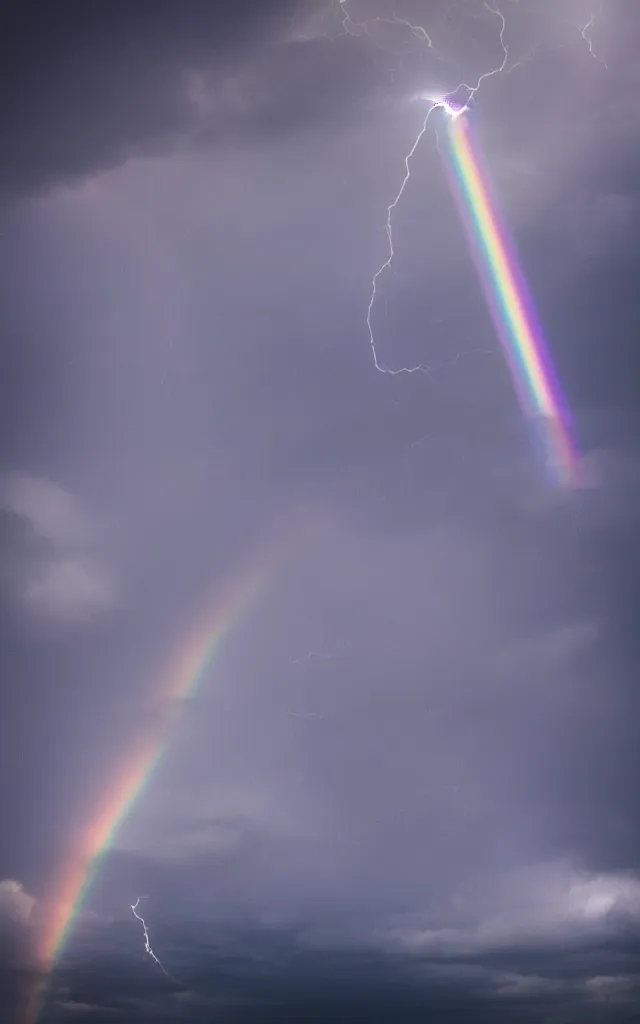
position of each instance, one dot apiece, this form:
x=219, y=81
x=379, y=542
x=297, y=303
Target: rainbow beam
x=509, y=302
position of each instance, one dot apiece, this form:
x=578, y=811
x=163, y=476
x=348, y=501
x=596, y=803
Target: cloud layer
x=50, y=565
x=418, y=746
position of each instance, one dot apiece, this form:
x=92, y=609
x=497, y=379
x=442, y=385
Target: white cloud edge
x=68, y=583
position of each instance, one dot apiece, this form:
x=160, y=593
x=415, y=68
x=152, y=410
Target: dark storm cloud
x=248, y=974
x=85, y=88
x=16, y=947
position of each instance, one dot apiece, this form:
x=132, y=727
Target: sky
x=406, y=784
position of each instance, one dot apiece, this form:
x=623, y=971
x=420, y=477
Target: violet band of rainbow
x=509, y=302
x=179, y=681
x=195, y=655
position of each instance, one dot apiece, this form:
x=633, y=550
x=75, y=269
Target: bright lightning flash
x=145, y=932
x=442, y=103
x=453, y=111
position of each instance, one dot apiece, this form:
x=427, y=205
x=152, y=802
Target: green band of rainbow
x=194, y=656
x=509, y=302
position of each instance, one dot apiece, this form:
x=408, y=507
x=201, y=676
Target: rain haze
x=319, y=691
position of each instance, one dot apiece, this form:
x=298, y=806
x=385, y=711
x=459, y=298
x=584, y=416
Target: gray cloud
x=52, y=569
x=422, y=669
x=547, y=904
x=419, y=743
x=16, y=904
x=92, y=100
x=216, y=76
x=16, y=918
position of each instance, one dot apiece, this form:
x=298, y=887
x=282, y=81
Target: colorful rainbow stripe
x=509, y=302
x=182, y=678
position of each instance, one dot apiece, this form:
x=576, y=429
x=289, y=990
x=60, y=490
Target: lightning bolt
x=588, y=40
x=436, y=103
x=145, y=931
x=358, y=28
x=416, y=30
x=349, y=26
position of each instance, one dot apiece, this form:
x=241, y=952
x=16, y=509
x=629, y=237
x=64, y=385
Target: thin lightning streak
x=452, y=111
x=359, y=28
x=417, y=30
x=387, y=263
x=349, y=26
x=583, y=32
x=353, y=27
x=145, y=932
x=505, y=55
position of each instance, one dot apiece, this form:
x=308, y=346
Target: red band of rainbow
x=509, y=301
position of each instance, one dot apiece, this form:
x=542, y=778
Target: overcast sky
x=408, y=782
